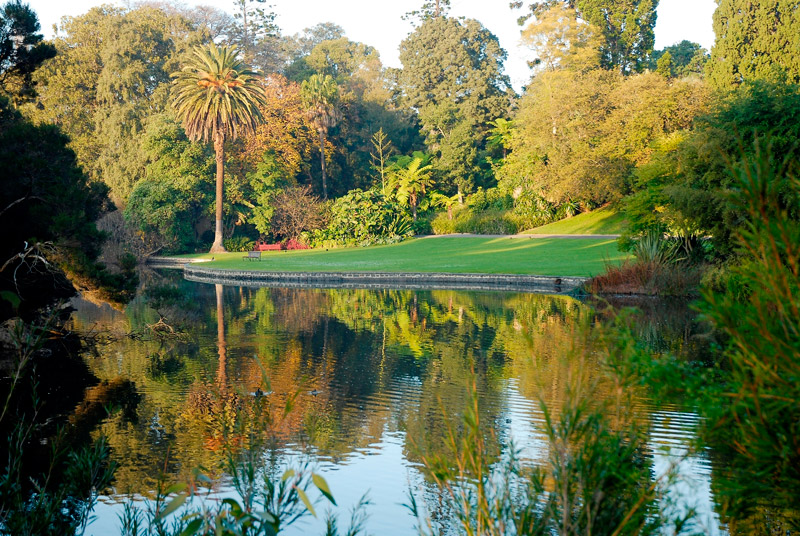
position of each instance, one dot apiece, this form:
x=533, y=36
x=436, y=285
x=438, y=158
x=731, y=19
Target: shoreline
x=398, y=280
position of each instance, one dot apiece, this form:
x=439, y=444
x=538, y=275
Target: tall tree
x=559, y=39
x=21, y=50
x=626, y=27
x=755, y=40
x=217, y=98
x=320, y=94
x=686, y=57
x=453, y=76
x=430, y=10
x=111, y=73
x=256, y=34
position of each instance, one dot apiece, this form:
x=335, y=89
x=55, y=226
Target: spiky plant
x=217, y=97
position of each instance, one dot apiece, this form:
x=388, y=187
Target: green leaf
x=175, y=488
x=322, y=485
x=287, y=475
x=173, y=505
x=265, y=517
x=192, y=528
x=304, y=498
x=11, y=298
x=236, y=508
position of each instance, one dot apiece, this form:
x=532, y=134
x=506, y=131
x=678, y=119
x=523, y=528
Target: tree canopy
x=22, y=50
x=755, y=40
x=453, y=77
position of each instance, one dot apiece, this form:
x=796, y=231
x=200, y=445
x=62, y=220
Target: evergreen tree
x=453, y=76
x=755, y=40
x=626, y=27
x=21, y=50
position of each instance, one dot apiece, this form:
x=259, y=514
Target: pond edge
x=399, y=280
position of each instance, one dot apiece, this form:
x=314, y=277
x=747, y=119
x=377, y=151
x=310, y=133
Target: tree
x=430, y=9
x=217, y=98
x=256, y=34
x=320, y=95
x=755, y=40
x=686, y=57
x=559, y=39
x=580, y=135
x=410, y=182
x=165, y=206
x=453, y=76
x=21, y=51
x=500, y=134
x=44, y=198
x=687, y=183
x=626, y=27
x=286, y=131
x=297, y=211
x=111, y=73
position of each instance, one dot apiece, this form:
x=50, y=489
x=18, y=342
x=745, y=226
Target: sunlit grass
x=601, y=221
x=551, y=256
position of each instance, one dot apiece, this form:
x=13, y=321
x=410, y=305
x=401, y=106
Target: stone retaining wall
x=510, y=282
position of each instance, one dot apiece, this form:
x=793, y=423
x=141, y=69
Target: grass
x=548, y=256
x=601, y=221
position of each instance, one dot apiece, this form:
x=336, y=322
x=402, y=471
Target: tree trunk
x=222, y=347
x=219, y=150
x=322, y=163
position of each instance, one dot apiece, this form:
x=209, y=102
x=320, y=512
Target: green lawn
x=600, y=221
x=549, y=256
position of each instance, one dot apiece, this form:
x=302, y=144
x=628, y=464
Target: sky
x=383, y=28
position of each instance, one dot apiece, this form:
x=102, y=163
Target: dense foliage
x=755, y=40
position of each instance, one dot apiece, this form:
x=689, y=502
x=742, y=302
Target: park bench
x=253, y=256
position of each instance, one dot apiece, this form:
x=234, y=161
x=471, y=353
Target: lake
x=376, y=378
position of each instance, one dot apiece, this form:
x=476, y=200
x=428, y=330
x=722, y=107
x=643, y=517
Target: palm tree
x=320, y=95
x=500, y=134
x=411, y=182
x=218, y=99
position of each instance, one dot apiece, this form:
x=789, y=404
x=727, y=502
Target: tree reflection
x=353, y=365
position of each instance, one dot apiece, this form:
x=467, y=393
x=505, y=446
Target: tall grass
x=755, y=420
x=596, y=478
x=656, y=269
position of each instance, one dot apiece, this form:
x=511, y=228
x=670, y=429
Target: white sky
x=378, y=23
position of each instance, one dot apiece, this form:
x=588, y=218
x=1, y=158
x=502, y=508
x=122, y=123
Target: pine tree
x=755, y=40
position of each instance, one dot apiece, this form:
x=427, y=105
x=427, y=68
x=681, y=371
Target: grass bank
x=601, y=221
x=547, y=256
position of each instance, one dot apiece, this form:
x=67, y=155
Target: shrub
x=467, y=221
x=238, y=243
x=362, y=218
x=297, y=211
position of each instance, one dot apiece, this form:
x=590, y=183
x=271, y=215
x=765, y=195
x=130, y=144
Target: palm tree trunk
x=219, y=150
x=222, y=347
x=322, y=163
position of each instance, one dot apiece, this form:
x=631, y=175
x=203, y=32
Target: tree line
x=601, y=109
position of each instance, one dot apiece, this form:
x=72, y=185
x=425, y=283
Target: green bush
x=467, y=221
x=362, y=218
x=238, y=243
x=491, y=199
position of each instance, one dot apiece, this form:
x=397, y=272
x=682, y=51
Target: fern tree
x=217, y=98
x=411, y=182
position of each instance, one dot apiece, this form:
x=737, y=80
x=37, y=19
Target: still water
x=373, y=371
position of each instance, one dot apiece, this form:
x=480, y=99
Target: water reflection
x=367, y=374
